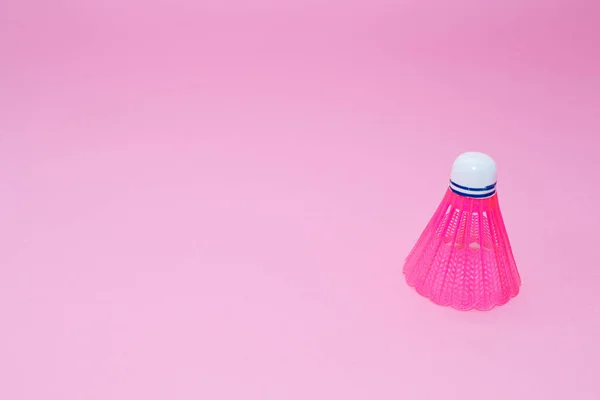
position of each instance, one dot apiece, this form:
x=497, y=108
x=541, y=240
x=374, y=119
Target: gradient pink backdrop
x=213, y=200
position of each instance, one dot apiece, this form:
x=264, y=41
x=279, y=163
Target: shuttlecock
x=463, y=258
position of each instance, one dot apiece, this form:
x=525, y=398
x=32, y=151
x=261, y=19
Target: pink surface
x=213, y=200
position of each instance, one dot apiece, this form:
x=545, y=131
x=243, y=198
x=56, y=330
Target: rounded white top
x=474, y=174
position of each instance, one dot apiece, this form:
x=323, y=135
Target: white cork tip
x=474, y=175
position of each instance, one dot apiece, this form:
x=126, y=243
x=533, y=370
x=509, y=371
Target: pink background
x=213, y=200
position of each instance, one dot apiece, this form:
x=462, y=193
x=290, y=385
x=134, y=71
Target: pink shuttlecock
x=463, y=258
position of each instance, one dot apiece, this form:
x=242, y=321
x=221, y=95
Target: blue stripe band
x=490, y=187
x=474, y=196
